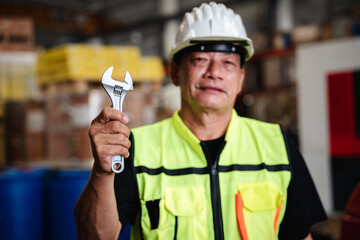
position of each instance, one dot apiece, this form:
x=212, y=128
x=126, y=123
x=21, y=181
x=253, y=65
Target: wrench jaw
x=129, y=82
x=115, y=87
x=106, y=79
x=117, y=92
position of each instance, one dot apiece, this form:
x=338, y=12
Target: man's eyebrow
x=230, y=53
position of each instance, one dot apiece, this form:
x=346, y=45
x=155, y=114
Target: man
x=205, y=173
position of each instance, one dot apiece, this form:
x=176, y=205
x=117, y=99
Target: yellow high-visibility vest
x=243, y=196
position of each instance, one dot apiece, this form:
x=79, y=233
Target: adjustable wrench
x=117, y=92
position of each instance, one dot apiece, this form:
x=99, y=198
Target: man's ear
x=174, y=67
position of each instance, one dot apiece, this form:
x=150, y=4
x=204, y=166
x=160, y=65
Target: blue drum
x=63, y=188
x=21, y=204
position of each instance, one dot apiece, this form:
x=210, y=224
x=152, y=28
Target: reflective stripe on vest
x=243, y=196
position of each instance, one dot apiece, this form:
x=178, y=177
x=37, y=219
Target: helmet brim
x=246, y=43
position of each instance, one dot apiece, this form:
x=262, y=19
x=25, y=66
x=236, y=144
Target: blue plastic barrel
x=125, y=233
x=21, y=204
x=63, y=188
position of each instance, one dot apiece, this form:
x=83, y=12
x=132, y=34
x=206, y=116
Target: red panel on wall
x=342, y=114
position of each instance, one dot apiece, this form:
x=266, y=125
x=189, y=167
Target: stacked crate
x=74, y=62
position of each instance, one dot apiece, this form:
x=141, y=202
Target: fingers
x=112, y=127
x=109, y=136
x=111, y=114
x=110, y=121
x=112, y=144
x=112, y=139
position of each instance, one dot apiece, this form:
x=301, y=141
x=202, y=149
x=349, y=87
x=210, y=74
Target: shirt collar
x=189, y=136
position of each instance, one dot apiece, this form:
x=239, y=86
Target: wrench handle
x=117, y=165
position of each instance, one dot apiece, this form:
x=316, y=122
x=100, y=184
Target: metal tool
x=117, y=92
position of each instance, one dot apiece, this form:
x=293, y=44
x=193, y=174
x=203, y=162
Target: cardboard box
x=80, y=123
x=16, y=34
x=271, y=73
x=2, y=143
x=69, y=114
x=24, y=124
x=17, y=27
x=252, y=77
x=58, y=128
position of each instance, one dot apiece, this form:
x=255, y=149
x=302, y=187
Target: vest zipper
x=215, y=192
x=176, y=227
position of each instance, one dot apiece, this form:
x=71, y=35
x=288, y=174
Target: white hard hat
x=212, y=23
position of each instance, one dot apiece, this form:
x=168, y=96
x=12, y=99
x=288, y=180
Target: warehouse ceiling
x=88, y=17
x=86, y=5
x=84, y=11
x=61, y=21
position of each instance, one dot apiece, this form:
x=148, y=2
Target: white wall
x=313, y=63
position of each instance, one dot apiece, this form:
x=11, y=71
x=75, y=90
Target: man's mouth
x=210, y=88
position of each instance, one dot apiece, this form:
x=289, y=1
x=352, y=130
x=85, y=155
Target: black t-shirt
x=303, y=207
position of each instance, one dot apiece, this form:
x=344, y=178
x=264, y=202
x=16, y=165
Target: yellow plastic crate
x=152, y=69
x=88, y=62
x=69, y=62
x=65, y=63
x=126, y=58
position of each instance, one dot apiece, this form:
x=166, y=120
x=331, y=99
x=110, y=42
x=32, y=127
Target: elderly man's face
x=209, y=80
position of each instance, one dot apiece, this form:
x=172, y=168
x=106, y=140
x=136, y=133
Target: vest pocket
x=187, y=206
x=258, y=207
x=182, y=215
x=154, y=213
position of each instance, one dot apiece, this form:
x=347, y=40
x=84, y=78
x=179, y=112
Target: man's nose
x=213, y=70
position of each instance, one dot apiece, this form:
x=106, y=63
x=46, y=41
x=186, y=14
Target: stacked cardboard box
x=2, y=143
x=68, y=117
x=58, y=128
x=272, y=72
x=16, y=34
x=141, y=104
x=53, y=130
x=24, y=124
x=17, y=84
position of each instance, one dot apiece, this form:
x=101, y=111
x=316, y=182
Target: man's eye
x=199, y=59
x=229, y=62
